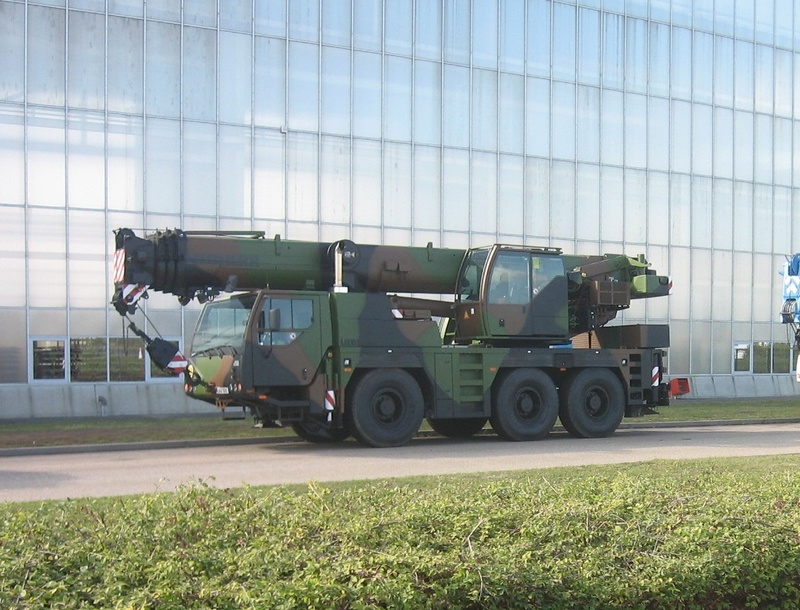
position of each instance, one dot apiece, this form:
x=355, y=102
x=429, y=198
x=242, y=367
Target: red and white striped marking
x=119, y=266
x=178, y=364
x=656, y=375
x=133, y=292
x=330, y=402
x=397, y=313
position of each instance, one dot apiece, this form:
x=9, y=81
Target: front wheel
x=386, y=408
x=593, y=404
x=525, y=405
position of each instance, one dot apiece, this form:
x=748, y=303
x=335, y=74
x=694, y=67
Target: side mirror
x=274, y=319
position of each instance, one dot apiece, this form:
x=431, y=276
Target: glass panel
x=636, y=55
x=270, y=17
x=658, y=208
x=199, y=73
x=396, y=185
x=428, y=39
x=562, y=200
x=723, y=143
x=303, y=74
x=613, y=51
x=88, y=359
x=234, y=81
x=455, y=189
x=589, y=124
x=742, y=357
x=483, y=185
x=765, y=23
x=12, y=155
x=512, y=109
x=783, y=83
x=611, y=199
x=46, y=59
x=368, y=24
x=782, y=221
x=126, y=54
x=427, y=102
x=163, y=69
x=511, y=220
x=612, y=132
x=13, y=353
x=762, y=220
x=587, y=185
x=635, y=206
x=269, y=186
x=125, y=140
x=270, y=82
x=199, y=168
x=763, y=274
x=86, y=60
x=484, y=109
x=681, y=68
x=163, y=165
x=564, y=36
x=660, y=10
x=701, y=212
x=702, y=67
x=512, y=35
x=302, y=201
x=701, y=139
x=49, y=357
x=796, y=169
x=723, y=71
x=398, y=31
x=701, y=284
x=336, y=22
x=126, y=359
x=234, y=171
x=457, y=31
x=680, y=204
x=722, y=226
x=721, y=333
x=335, y=179
x=743, y=146
x=764, y=70
x=484, y=34
x=366, y=94
x=12, y=50
x=236, y=15
x=539, y=37
x=658, y=134
x=743, y=85
x=783, y=152
x=743, y=215
x=635, y=130
x=201, y=12
x=46, y=151
x=563, y=120
x=745, y=18
x=783, y=24
x=589, y=47
x=427, y=187
x=762, y=149
x=397, y=99
x=782, y=358
x=86, y=162
x=537, y=198
x=335, y=90
x=537, y=126
x=304, y=20
x=659, y=59
x=367, y=183
x=742, y=285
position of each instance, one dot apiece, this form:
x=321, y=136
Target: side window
x=510, y=283
x=545, y=269
x=295, y=316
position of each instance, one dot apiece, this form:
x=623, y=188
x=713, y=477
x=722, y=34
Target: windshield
x=470, y=281
x=223, y=323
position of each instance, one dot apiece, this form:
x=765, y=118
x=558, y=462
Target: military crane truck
x=339, y=339
x=790, y=309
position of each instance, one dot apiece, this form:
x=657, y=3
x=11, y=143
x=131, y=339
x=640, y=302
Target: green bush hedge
x=706, y=534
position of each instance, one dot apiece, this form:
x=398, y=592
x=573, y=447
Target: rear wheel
x=459, y=427
x=525, y=405
x=319, y=432
x=386, y=408
x=593, y=404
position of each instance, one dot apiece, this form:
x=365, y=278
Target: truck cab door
x=286, y=339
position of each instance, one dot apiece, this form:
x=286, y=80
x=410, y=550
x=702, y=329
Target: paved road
x=39, y=477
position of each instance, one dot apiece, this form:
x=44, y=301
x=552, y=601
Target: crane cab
x=511, y=294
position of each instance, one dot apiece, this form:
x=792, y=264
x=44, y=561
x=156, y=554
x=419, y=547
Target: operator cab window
x=511, y=276
x=545, y=270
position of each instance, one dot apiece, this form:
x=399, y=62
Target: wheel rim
x=597, y=402
x=387, y=407
x=527, y=404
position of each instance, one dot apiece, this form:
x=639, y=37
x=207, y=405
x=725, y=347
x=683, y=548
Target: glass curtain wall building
x=670, y=128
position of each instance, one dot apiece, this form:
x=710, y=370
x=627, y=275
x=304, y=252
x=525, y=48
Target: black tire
x=463, y=427
x=525, y=405
x=319, y=432
x=386, y=408
x=593, y=404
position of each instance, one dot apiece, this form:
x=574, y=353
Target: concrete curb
x=290, y=438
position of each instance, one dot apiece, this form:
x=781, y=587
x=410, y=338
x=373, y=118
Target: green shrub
x=707, y=534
